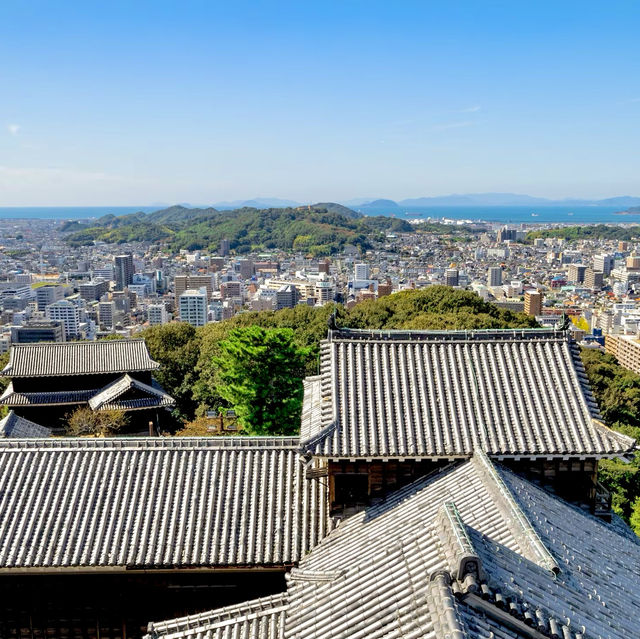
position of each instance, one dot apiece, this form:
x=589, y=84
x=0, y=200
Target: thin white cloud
x=452, y=125
x=471, y=109
x=13, y=128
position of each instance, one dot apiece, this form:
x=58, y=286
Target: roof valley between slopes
x=444, y=558
x=424, y=394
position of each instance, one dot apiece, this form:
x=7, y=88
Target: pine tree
x=261, y=372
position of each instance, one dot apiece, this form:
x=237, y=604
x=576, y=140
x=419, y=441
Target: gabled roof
x=79, y=358
x=14, y=426
x=471, y=551
x=117, y=395
x=427, y=394
x=156, y=502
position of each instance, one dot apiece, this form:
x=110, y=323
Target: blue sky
x=107, y=103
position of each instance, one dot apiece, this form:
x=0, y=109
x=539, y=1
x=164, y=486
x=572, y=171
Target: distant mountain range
x=464, y=199
x=493, y=199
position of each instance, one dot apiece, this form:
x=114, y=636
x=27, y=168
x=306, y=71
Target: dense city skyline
x=202, y=102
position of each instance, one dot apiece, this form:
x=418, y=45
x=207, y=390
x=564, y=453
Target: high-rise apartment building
x=593, y=279
x=505, y=234
x=107, y=314
x=48, y=294
x=225, y=247
x=451, y=277
x=245, y=268
x=286, y=297
x=231, y=289
x=494, y=276
x=633, y=263
x=193, y=306
x=325, y=292
x=361, y=272
x=181, y=283
x=68, y=313
x=626, y=349
x=123, y=271
x=157, y=314
x=533, y=302
x=576, y=273
x=603, y=263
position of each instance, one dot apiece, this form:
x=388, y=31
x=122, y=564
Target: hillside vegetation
x=318, y=229
x=315, y=230
x=591, y=232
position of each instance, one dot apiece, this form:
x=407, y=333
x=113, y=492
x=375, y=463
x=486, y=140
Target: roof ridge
x=443, y=607
x=461, y=555
x=100, y=342
x=313, y=576
x=169, y=443
x=523, y=530
x=358, y=334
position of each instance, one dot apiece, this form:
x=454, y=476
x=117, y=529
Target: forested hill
x=320, y=229
x=589, y=232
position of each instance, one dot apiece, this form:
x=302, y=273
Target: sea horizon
x=495, y=214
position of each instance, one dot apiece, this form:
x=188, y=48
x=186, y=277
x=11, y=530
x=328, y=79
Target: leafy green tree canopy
x=261, y=372
x=175, y=347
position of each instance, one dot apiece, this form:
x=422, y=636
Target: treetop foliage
x=591, y=232
x=261, y=372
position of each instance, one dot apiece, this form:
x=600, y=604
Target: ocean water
x=500, y=214
x=68, y=212
x=518, y=214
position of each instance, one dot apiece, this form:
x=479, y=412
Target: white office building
x=193, y=306
x=68, y=313
x=361, y=272
x=158, y=314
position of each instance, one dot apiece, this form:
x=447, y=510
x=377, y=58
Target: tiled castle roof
x=470, y=552
x=15, y=426
x=79, y=358
x=116, y=396
x=156, y=502
x=432, y=394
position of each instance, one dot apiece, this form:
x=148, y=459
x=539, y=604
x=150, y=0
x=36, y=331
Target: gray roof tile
x=432, y=394
x=14, y=426
x=260, y=618
x=44, y=398
x=79, y=358
x=444, y=557
x=174, y=502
